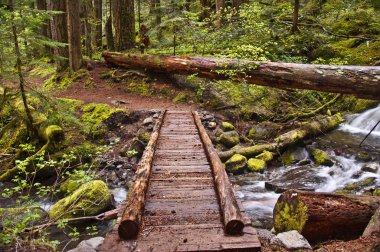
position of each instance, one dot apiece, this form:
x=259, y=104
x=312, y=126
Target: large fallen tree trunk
x=323, y=216
x=362, y=81
x=320, y=125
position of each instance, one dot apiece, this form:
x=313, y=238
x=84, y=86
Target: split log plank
x=361, y=81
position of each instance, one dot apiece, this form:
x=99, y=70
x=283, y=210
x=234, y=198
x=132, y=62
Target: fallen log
x=373, y=227
x=361, y=81
x=320, y=125
x=131, y=220
x=232, y=217
x=322, y=216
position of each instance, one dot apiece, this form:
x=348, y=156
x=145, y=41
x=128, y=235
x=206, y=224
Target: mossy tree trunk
x=123, y=16
x=324, y=216
x=361, y=81
x=98, y=12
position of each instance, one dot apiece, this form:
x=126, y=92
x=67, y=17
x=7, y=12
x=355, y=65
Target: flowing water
x=342, y=145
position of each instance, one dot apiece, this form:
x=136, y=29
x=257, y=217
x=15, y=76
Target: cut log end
x=234, y=227
x=128, y=229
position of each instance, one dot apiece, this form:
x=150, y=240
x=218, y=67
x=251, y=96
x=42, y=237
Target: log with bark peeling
x=232, y=218
x=323, y=216
x=361, y=81
x=131, y=220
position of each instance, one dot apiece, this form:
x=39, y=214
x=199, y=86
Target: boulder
x=291, y=240
x=321, y=157
x=256, y=165
x=226, y=126
x=266, y=156
x=371, y=167
x=90, y=245
x=148, y=121
x=89, y=199
x=229, y=139
x=236, y=164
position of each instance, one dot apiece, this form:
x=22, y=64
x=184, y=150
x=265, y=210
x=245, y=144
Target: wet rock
x=229, y=139
x=264, y=234
x=357, y=174
x=136, y=148
x=148, y=121
x=90, y=245
x=357, y=186
x=236, y=164
x=372, y=167
x=321, y=157
x=226, y=126
x=89, y=199
x=301, y=177
x=295, y=155
x=211, y=125
x=256, y=165
x=291, y=240
x=363, y=156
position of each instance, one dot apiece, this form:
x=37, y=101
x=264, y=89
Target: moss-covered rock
x=256, y=165
x=266, y=156
x=144, y=137
x=95, y=117
x=357, y=186
x=376, y=192
x=226, y=126
x=363, y=156
x=287, y=157
x=321, y=157
x=89, y=199
x=236, y=164
x=264, y=130
x=229, y=139
x=343, y=192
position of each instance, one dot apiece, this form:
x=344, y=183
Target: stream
x=342, y=145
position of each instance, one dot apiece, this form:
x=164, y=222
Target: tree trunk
x=74, y=35
x=59, y=33
x=324, y=216
x=109, y=34
x=373, y=227
x=29, y=117
x=318, y=126
x=295, y=16
x=98, y=22
x=124, y=24
x=87, y=9
x=42, y=6
x=206, y=6
x=362, y=81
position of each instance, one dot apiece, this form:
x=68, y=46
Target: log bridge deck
x=181, y=199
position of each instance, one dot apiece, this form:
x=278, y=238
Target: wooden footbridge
x=181, y=199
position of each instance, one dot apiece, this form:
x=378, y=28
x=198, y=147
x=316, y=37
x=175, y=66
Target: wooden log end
x=289, y=213
x=234, y=227
x=128, y=229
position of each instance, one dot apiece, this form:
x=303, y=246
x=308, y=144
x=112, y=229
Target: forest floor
x=117, y=95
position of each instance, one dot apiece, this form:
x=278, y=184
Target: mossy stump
x=323, y=216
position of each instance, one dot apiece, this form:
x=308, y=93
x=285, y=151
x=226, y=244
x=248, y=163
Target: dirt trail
x=104, y=91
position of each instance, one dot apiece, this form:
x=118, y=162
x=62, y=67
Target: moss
x=343, y=192
x=287, y=157
x=290, y=216
x=88, y=200
x=357, y=186
x=181, y=97
x=376, y=192
x=236, y=164
x=94, y=116
x=28, y=215
x=69, y=104
x=266, y=156
x=144, y=137
x=70, y=185
x=229, y=139
x=363, y=156
x=251, y=133
x=140, y=88
x=256, y=165
x=321, y=158
x=226, y=126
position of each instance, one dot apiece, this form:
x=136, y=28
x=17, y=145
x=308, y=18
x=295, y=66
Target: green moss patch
x=256, y=165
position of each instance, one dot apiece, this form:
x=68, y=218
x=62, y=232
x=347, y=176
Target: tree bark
x=109, y=32
x=373, y=227
x=58, y=26
x=87, y=10
x=232, y=217
x=123, y=17
x=98, y=11
x=130, y=223
x=74, y=34
x=295, y=16
x=41, y=5
x=361, y=81
x=206, y=6
x=322, y=216
x=318, y=126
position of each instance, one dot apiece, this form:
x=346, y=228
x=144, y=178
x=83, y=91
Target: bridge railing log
x=232, y=217
x=132, y=216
